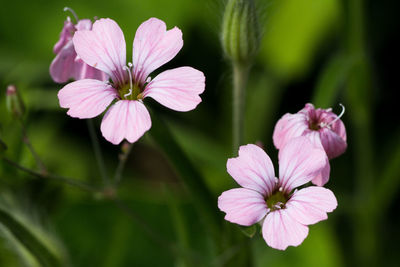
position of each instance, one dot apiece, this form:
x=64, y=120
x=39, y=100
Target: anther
x=72, y=12
x=338, y=117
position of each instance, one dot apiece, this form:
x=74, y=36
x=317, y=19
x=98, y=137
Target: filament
x=338, y=117
x=72, y=12
x=130, y=78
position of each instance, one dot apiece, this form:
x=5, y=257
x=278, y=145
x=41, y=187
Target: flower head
x=286, y=211
x=67, y=64
x=321, y=126
x=103, y=48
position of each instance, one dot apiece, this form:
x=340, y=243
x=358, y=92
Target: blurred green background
x=320, y=51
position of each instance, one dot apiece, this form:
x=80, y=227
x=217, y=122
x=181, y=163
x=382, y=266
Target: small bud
x=15, y=105
x=240, y=31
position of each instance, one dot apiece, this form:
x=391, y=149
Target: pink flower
x=286, y=211
x=67, y=64
x=104, y=48
x=321, y=126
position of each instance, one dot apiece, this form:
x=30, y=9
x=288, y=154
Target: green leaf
x=203, y=199
x=294, y=30
x=33, y=239
x=331, y=80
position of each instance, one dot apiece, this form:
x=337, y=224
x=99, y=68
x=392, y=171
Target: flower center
x=129, y=91
x=277, y=200
x=126, y=92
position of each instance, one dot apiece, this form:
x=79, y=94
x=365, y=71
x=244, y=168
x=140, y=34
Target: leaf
x=35, y=241
x=331, y=80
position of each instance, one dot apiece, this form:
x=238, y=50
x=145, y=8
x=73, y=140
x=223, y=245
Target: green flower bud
x=240, y=31
x=15, y=105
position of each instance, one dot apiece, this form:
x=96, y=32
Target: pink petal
x=333, y=144
x=242, y=206
x=84, y=25
x=65, y=35
x=281, y=230
x=82, y=70
x=62, y=66
x=177, y=89
x=323, y=177
x=86, y=98
x=103, y=48
x=310, y=205
x=127, y=119
x=154, y=46
x=253, y=169
x=299, y=162
x=288, y=127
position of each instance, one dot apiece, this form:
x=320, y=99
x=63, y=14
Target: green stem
x=97, y=151
x=121, y=165
x=28, y=143
x=65, y=180
x=240, y=76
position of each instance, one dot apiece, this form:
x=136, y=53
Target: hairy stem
x=240, y=76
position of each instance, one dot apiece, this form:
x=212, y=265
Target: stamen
x=338, y=117
x=130, y=78
x=72, y=12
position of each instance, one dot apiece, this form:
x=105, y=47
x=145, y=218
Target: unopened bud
x=15, y=105
x=240, y=31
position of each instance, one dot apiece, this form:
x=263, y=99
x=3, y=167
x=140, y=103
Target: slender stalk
x=97, y=151
x=28, y=143
x=121, y=165
x=240, y=76
x=65, y=180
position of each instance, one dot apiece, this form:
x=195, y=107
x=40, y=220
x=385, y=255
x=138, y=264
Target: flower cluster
x=306, y=141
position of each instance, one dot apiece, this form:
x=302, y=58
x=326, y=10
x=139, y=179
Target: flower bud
x=240, y=31
x=15, y=105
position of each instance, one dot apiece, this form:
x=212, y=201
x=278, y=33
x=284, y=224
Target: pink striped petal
x=62, y=66
x=177, y=89
x=103, y=48
x=288, y=127
x=334, y=144
x=323, y=177
x=84, y=71
x=299, y=162
x=154, y=46
x=126, y=119
x=242, y=206
x=310, y=205
x=86, y=98
x=281, y=230
x=253, y=169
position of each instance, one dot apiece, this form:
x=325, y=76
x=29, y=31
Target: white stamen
x=148, y=79
x=281, y=189
x=276, y=180
x=72, y=12
x=130, y=78
x=338, y=117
